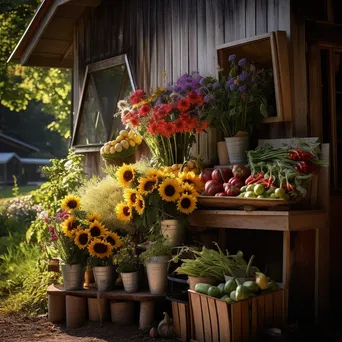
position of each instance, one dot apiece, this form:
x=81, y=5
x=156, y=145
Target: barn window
x=106, y=82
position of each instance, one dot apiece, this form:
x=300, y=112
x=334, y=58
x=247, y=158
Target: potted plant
x=128, y=266
x=156, y=258
x=155, y=198
x=237, y=103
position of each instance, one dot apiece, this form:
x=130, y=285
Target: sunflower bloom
x=190, y=189
x=170, y=189
x=93, y=217
x=125, y=174
x=100, y=249
x=70, y=203
x=82, y=238
x=153, y=173
x=113, y=239
x=130, y=196
x=140, y=205
x=70, y=225
x=96, y=229
x=186, y=204
x=192, y=179
x=147, y=185
x=123, y=211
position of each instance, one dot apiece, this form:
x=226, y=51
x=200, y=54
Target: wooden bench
x=62, y=303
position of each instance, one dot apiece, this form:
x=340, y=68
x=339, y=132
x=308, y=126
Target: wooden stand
x=181, y=320
x=56, y=308
x=146, y=315
x=97, y=309
x=76, y=311
x=122, y=312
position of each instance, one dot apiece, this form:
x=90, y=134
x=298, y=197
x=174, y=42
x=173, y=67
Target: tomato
x=219, y=194
x=279, y=192
x=222, y=174
x=232, y=190
x=241, y=171
x=206, y=175
x=235, y=181
x=259, y=189
x=212, y=187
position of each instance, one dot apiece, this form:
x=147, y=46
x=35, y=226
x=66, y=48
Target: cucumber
x=214, y=291
x=202, y=288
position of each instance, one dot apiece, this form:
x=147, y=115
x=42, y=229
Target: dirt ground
x=18, y=329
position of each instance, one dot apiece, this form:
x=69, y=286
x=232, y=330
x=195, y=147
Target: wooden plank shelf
x=286, y=221
x=59, y=290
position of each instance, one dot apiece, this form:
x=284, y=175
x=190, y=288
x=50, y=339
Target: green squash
x=233, y=295
x=221, y=287
x=214, y=291
x=251, y=286
x=224, y=297
x=230, y=286
x=202, y=288
x=242, y=292
x=227, y=299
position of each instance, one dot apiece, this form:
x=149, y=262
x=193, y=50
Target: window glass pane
x=103, y=89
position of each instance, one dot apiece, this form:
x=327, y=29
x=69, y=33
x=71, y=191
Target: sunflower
x=190, y=190
x=125, y=174
x=130, y=196
x=100, y=248
x=82, y=238
x=191, y=178
x=70, y=226
x=186, y=204
x=70, y=203
x=96, y=229
x=147, y=185
x=123, y=211
x=93, y=217
x=140, y=205
x=153, y=173
x=170, y=189
x=113, y=239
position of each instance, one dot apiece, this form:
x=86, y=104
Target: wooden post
x=97, y=309
x=146, y=314
x=76, y=311
x=56, y=308
x=122, y=312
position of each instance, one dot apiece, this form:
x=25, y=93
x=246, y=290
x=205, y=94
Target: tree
x=21, y=85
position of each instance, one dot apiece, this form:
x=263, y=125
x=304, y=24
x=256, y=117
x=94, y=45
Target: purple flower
x=243, y=89
x=233, y=86
x=242, y=62
x=178, y=89
x=209, y=98
x=203, y=89
x=54, y=237
x=216, y=85
x=231, y=58
x=243, y=76
x=202, y=81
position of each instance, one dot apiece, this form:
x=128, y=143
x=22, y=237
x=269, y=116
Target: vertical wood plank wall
x=171, y=37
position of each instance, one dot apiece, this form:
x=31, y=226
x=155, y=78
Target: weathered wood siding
x=167, y=38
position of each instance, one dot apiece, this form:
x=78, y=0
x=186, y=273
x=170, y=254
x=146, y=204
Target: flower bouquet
x=168, y=119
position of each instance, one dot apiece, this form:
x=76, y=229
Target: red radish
x=219, y=194
x=212, y=187
x=237, y=182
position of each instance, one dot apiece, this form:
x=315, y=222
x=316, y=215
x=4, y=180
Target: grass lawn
x=6, y=192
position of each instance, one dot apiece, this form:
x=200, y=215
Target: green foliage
x=20, y=85
x=15, y=189
x=65, y=176
x=126, y=259
x=158, y=247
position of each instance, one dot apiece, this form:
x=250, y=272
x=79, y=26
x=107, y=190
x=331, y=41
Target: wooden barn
x=113, y=47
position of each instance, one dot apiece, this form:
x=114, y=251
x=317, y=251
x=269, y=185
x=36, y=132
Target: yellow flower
x=190, y=190
x=153, y=173
x=130, y=196
x=100, y=248
x=82, y=238
x=96, y=229
x=70, y=225
x=70, y=203
x=113, y=239
x=147, y=185
x=170, y=189
x=192, y=178
x=123, y=211
x=93, y=217
x=140, y=205
x=186, y=204
x=125, y=174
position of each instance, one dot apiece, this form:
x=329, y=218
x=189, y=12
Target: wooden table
x=286, y=222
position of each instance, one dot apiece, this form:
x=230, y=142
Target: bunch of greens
x=212, y=263
x=126, y=259
x=156, y=247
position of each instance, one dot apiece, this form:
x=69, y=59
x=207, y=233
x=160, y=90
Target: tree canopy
x=21, y=85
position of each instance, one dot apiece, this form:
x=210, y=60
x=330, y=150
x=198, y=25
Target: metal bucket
x=156, y=269
x=73, y=277
x=237, y=147
x=173, y=230
x=130, y=281
x=104, y=277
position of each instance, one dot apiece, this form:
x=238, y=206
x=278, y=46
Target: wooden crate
x=215, y=320
x=181, y=320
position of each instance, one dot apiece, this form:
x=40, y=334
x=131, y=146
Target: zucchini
x=214, y=291
x=202, y=288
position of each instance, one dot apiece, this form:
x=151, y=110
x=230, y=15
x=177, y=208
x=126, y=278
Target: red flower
x=192, y=97
x=137, y=96
x=179, y=125
x=170, y=129
x=164, y=109
x=200, y=99
x=153, y=127
x=134, y=121
x=183, y=105
x=201, y=126
x=162, y=127
x=144, y=110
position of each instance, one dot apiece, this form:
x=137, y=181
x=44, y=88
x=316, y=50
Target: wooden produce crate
x=215, y=320
x=181, y=320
